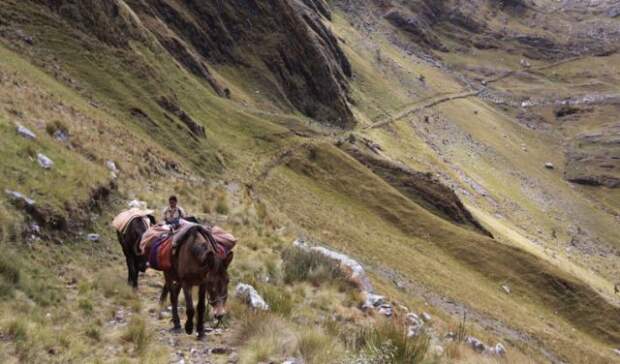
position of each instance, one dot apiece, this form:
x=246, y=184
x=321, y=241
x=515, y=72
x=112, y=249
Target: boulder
x=354, y=269
x=25, y=132
x=386, y=309
x=549, y=165
x=426, y=317
x=373, y=300
x=475, y=344
x=617, y=351
x=248, y=294
x=112, y=167
x=44, y=161
x=499, y=349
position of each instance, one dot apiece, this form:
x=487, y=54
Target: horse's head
x=217, y=282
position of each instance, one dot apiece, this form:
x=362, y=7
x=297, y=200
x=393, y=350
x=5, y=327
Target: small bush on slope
x=301, y=265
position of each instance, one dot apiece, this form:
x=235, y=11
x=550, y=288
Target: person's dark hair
x=172, y=198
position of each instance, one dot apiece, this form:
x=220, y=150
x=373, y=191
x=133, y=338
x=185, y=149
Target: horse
x=197, y=263
x=130, y=242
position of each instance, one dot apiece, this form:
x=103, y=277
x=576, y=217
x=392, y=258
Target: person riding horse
x=173, y=213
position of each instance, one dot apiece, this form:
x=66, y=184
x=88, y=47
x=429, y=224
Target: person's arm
x=181, y=212
x=163, y=215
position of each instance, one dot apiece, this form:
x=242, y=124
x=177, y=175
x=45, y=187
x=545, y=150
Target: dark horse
x=196, y=263
x=130, y=242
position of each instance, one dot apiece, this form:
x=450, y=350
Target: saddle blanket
x=153, y=233
x=159, y=253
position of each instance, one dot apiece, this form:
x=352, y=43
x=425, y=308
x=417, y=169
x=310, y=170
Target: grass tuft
x=302, y=265
x=137, y=334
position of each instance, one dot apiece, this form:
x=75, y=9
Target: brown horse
x=196, y=263
x=130, y=242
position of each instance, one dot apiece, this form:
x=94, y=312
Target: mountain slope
x=411, y=135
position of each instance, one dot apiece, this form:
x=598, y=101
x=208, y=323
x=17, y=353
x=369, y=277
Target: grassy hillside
x=109, y=88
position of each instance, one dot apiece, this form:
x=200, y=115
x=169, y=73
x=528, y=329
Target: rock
x=293, y=361
x=524, y=63
x=112, y=167
x=450, y=336
x=220, y=350
x=25, y=132
x=426, y=317
x=386, y=309
x=614, y=12
x=93, y=237
x=617, y=351
x=506, y=288
x=415, y=324
x=137, y=204
x=500, y=349
x=61, y=136
x=18, y=199
x=44, y=161
x=249, y=295
x=475, y=344
x=350, y=266
x=373, y=300
x=549, y=165
x=413, y=318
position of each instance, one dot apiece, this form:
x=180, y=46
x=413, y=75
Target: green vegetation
x=270, y=175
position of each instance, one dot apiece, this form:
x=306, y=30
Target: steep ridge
x=301, y=54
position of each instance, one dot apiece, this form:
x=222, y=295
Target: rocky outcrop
x=418, y=28
x=594, y=158
x=285, y=43
x=171, y=106
x=420, y=187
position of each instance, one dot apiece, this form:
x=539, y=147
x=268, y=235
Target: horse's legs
x=189, y=308
x=202, y=292
x=164, y=292
x=175, y=288
x=134, y=278
x=132, y=273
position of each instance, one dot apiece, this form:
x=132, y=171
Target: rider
x=173, y=213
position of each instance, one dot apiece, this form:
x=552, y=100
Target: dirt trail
x=425, y=104
x=216, y=348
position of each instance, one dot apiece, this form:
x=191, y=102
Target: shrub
x=222, y=205
x=94, y=333
x=9, y=275
x=389, y=343
x=302, y=265
x=280, y=301
x=86, y=305
x=316, y=347
x=137, y=334
x=56, y=126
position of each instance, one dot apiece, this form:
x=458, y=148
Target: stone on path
x=549, y=165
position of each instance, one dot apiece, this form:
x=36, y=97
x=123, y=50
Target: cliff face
x=286, y=42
